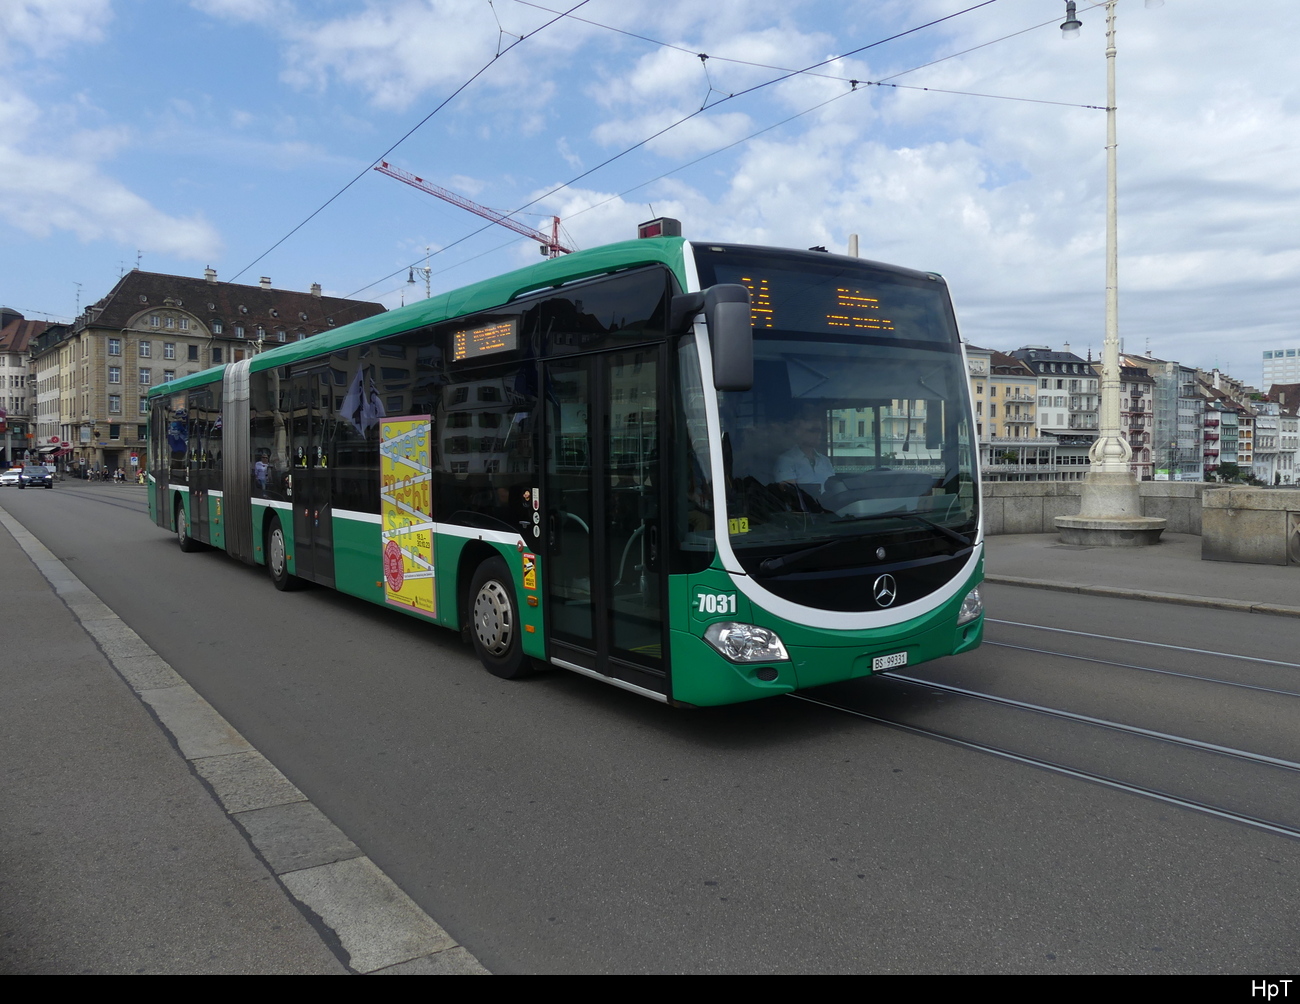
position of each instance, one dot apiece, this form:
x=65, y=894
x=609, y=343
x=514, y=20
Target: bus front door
x=602, y=498
x=313, y=536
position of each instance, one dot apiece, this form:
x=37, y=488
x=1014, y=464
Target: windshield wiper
x=936, y=527
x=771, y=566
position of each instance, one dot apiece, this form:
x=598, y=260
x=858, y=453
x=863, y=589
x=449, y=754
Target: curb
x=370, y=924
x=1115, y=592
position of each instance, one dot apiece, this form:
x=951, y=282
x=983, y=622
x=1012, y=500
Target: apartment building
x=17, y=394
x=1281, y=365
x=1137, y=417
x=151, y=328
x=1069, y=395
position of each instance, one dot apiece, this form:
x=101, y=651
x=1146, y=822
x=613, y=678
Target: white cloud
x=50, y=178
x=42, y=193
x=269, y=12
x=395, y=52
x=698, y=135
x=45, y=26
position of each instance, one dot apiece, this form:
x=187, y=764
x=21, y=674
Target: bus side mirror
x=731, y=332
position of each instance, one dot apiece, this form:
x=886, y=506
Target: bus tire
x=494, y=621
x=187, y=543
x=277, y=558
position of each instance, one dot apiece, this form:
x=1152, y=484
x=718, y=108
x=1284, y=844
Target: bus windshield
x=857, y=428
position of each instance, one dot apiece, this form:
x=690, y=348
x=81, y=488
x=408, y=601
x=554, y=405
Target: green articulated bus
x=705, y=473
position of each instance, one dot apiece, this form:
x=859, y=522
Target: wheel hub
x=277, y=552
x=492, y=619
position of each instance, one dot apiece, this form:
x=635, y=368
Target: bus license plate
x=883, y=662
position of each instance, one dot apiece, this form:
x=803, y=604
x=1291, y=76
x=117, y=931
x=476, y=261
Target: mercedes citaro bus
x=705, y=473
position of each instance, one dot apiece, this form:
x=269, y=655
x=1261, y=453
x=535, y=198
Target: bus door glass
x=199, y=457
x=569, y=509
x=602, y=504
x=311, y=411
x=160, y=456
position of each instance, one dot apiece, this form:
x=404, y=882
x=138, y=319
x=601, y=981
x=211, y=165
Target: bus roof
x=495, y=292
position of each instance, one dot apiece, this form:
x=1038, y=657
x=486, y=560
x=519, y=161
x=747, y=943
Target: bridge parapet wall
x=1031, y=506
x=1256, y=525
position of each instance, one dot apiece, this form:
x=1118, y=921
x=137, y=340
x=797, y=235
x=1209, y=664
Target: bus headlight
x=745, y=642
x=971, y=607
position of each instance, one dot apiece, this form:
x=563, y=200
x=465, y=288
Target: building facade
x=1137, y=417
x=17, y=390
x=152, y=328
x=1281, y=366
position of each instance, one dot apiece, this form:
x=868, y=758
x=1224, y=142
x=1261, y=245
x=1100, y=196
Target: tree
x=1228, y=472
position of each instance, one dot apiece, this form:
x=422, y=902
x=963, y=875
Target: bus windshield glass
x=857, y=428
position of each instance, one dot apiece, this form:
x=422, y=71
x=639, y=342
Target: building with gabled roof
x=151, y=328
x=17, y=393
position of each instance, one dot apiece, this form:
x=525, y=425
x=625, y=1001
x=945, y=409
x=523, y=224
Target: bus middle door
x=199, y=462
x=313, y=537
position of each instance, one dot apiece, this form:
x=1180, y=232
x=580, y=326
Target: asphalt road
x=561, y=825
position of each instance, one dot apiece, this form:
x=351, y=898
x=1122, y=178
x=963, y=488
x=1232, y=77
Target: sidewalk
x=140, y=833
x=1169, y=572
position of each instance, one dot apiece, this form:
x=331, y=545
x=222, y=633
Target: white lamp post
x=1110, y=510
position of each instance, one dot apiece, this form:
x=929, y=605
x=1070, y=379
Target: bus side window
x=484, y=432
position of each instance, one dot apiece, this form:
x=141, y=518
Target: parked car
x=36, y=476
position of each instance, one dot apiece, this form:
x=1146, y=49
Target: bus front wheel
x=494, y=621
x=277, y=559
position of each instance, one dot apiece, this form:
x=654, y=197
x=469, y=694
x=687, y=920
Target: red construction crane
x=551, y=246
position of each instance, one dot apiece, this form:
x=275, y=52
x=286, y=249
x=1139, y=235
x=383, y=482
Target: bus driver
x=804, y=465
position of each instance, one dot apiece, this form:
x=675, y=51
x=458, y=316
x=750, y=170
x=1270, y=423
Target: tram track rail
x=1150, y=669
x=1099, y=722
x=1170, y=739
x=1245, y=819
x=1139, y=641
x=120, y=502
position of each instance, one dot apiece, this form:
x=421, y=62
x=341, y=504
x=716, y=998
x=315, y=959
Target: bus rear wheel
x=277, y=559
x=187, y=543
x=494, y=622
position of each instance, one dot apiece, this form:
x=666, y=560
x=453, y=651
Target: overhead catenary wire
x=704, y=56
x=405, y=136
x=785, y=75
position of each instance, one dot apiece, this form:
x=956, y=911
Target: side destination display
x=485, y=340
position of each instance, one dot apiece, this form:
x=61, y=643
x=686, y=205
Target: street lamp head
x=1153, y=4
x=1071, y=25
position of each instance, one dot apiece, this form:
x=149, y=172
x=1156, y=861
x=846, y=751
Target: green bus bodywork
x=699, y=675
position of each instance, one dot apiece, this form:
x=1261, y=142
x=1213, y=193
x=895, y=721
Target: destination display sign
x=485, y=340
x=839, y=305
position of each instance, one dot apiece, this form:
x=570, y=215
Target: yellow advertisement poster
x=406, y=502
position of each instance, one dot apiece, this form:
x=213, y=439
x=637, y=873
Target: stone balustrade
x=1256, y=525
x=1032, y=506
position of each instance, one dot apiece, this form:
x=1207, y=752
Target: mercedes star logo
x=885, y=590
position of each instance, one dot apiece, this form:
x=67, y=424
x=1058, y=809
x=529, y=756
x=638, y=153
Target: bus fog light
x=971, y=607
x=745, y=642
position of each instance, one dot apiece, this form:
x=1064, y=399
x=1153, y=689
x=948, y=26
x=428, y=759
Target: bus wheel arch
x=181, y=525
x=277, y=556
x=495, y=627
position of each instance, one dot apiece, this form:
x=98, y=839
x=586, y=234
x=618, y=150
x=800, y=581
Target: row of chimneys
x=210, y=274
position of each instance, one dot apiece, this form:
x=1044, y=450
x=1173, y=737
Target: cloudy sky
x=201, y=134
